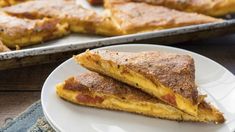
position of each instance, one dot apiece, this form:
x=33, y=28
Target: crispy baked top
x=63, y=9
x=67, y=11
x=210, y=7
x=132, y=16
x=11, y=26
x=95, y=83
x=175, y=71
x=206, y=4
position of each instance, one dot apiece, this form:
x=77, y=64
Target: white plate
x=212, y=78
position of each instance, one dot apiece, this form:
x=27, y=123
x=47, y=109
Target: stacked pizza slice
x=151, y=83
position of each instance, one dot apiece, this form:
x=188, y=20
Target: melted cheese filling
x=146, y=108
x=33, y=38
x=135, y=106
x=139, y=106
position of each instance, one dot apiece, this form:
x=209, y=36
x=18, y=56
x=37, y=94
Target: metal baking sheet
x=63, y=48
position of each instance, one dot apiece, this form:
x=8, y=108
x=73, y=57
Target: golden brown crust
x=92, y=89
x=141, y=71
x=3, y=48
x=45, y=8
x=208, y=7
x=124, y=18
x=79, y=19
x=172, y=70
x=22, y=32
x=132, y=17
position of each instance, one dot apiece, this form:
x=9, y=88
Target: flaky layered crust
x=134, y=17
x=172, y=70
x=121, y=17
x=79, y=19
x=208, y=7
x=170, y=77
x=23, y=32
x=92, y=89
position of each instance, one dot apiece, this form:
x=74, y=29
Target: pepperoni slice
x=170, y=98
x=89, y=99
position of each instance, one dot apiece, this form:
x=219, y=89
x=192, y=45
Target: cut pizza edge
x=40, y=30
x=207, y=113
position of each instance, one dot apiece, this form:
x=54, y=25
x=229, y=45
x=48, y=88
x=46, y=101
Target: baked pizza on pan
x=92, y=89
x=132, y=17
x=208, y=7
x=16, y=31
x=80, y=20
x=120, y=17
